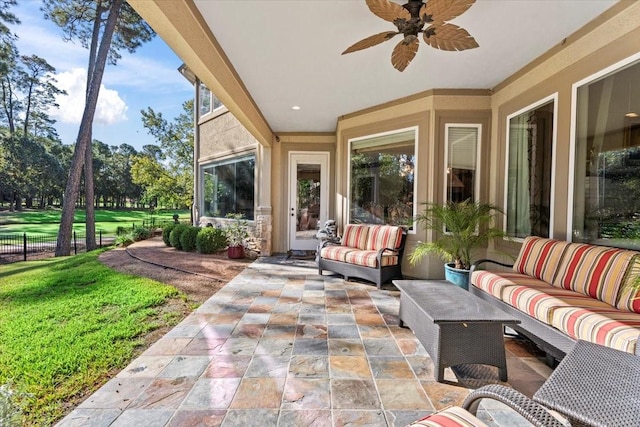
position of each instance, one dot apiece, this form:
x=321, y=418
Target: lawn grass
x=107, y=220
x=66, y=323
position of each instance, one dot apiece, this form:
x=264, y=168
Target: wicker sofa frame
x=378, y=275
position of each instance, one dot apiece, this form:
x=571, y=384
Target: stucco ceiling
x=288, y=52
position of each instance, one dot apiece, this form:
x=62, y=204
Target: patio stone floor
x=280, y=345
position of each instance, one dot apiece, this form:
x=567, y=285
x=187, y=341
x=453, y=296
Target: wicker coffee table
x=454, y=326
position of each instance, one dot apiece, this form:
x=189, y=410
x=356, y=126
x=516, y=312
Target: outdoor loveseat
x=593, y=386
x=563, y=292
x=366, y=251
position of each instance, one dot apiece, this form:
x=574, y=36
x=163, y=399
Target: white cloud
x=111, y=107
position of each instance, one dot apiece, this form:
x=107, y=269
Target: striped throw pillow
x=355, y=236
x=597, y=271
x=540, y=257
x=384, y=236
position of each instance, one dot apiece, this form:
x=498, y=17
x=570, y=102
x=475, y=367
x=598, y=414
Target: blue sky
x=146, y=78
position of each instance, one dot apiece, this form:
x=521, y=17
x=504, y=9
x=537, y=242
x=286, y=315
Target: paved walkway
x=280, y=345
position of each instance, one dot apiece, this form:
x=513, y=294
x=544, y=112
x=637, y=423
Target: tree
x=175, y=153
x=104, y=27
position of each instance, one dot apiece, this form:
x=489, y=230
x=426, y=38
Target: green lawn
x=67, y=323
x=107, y=220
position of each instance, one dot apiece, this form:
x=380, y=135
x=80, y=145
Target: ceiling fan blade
x=388, y=10
x=449, y=37
x=445, y=10
x=404, y=52
x=371, y=41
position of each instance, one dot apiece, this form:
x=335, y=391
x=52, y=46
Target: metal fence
x=20, y=247
x=16, y=247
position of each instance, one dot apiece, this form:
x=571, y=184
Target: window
x=606, y=201
x=382, y=177
x=529, y=165
x=228, y=187
x=461, y=162
x=208, y=101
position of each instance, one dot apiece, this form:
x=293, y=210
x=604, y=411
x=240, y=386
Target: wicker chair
x=593, y=386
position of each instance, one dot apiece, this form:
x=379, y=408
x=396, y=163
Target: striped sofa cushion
x=355, y=236
x=383, y=236
x=336, y=252
x=597, y=271
x=629, y=299
x=608, y=327
x=369, y=258
x=454, y=416
x=541, y=301
x=494, y=282
x=540, y=257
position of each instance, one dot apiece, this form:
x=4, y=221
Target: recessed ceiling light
x=295, y=107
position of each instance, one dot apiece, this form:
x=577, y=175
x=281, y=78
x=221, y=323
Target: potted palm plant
x=236, y=232
x=461, y=228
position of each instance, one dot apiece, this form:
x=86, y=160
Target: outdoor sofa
x=366, y=251
x=563, y=292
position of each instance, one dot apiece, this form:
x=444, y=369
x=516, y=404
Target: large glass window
x=530, y=151
x=382, y=179
x=607, y=160
x=461, y=163
x=228, y=187
x=208, y=101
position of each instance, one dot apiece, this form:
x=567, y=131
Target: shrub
x=188, y=238
x=123, y=240
x=174, y=236
x=140, y=233
x=11, y=403
x=166, y=231
x=121, y=230
x=210, y=240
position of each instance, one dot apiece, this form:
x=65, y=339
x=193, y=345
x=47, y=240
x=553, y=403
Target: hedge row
x=188, y=238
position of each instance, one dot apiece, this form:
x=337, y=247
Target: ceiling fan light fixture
x=413, y=18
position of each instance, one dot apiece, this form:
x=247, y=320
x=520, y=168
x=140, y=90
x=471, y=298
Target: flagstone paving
x=280, y=345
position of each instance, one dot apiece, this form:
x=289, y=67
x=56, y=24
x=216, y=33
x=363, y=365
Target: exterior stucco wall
x=223, y=135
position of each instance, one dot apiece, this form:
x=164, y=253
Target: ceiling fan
x=417, y=17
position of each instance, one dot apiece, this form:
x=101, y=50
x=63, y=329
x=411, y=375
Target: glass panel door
x=308, y=198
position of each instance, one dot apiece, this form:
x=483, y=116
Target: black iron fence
x=21, y=246
x=16, y=247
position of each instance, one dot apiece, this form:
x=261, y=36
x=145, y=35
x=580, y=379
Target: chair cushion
x=495, y=282
x=336, y=252
x=629, y=299
x=541, y=301
x=355, y=236
x=609, y=327
x=383, y=236
x=540, y=257
x=597, y=271
x=453, y=416
x=369, y=258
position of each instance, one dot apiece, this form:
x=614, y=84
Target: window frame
x=227, y=161
x=554, y=139
x=573, y=136
x=211, y=104
x=478, y=127
x=350, y=142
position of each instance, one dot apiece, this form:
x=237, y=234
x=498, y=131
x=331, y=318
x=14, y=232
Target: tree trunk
x=90, y=224
x=63, y=245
